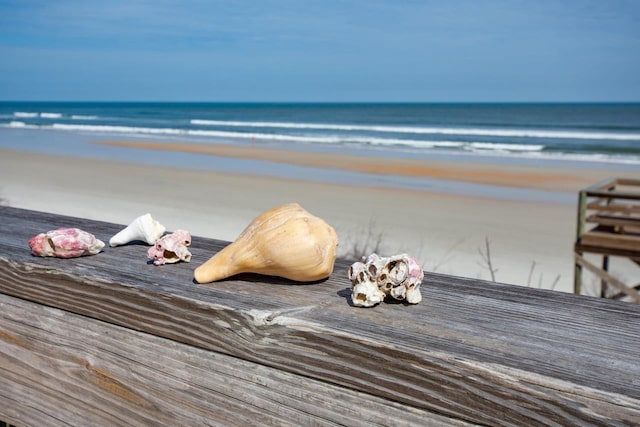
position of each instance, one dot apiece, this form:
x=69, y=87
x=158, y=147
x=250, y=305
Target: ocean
x=584, y=135
x=579, y=132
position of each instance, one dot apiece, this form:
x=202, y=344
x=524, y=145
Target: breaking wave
x=470, y=147
x=24, y=114
x=516, y=133
x=45, y=115
x=335, y=139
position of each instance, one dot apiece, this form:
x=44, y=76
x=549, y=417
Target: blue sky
x=326, y=50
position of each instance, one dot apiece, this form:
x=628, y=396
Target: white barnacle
x=376, y=277
x=365, y=292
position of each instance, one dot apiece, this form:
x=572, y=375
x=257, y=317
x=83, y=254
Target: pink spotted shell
x=65, y=243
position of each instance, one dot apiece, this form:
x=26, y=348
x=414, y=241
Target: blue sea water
x=567, y=135
x=605, y=133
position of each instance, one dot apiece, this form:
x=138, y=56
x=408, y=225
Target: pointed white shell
x=143, y=228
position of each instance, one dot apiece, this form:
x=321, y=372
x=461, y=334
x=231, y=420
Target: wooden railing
x=111, y=340
x=608, y=224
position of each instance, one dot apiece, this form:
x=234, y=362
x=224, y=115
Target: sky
x=320, y=51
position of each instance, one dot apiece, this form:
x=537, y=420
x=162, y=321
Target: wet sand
x=530, y=242
x=518, y=176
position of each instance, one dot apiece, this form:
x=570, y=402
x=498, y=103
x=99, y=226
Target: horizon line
x=315, y=102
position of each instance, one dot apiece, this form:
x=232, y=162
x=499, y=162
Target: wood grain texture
x=612, y=240
x=78, y=371
x=472, y=350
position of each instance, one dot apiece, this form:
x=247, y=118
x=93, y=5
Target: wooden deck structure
x=111, y=340
x=608, y=224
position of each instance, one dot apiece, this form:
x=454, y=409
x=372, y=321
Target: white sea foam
x=50, y=115
x=518, y=133
x=293, y=138
x=572, y=157
x=119, y=129
x=80, y=117
x=24, y=114
x=413, y=143
x=277, y=125
x=279, y=137
x=335, y=139
x=504, y=147
x=477, y=148
x=328, y=139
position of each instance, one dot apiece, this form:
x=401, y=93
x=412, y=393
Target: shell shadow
x=260, y=278
x=346, y=294
x=131, y=243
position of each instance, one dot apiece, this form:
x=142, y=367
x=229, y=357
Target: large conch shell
x=171, y=248
x=143, y=228
x=286, y=241
x=65, y=243
x=376, y=277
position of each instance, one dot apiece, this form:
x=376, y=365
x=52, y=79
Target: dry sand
x=445, y=232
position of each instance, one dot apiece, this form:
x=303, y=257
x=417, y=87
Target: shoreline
x=501, y=178
x=531, y=241
x=503, y=175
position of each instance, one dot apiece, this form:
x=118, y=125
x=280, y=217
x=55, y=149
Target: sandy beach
x=518, y=176
x=530, y=242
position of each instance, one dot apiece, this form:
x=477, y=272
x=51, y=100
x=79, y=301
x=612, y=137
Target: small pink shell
x=171, y=248
x=65, y=243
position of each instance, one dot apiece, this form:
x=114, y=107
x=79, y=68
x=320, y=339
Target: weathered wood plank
x=615, y=210
x=605, y=184
x=611, y=240
x=623, y=195
x=79, y=371
x=472, y=350
x=628, y=182
x=615, y=188
x=601, y=206
x=602, y=274
x=581, y=248
x=614, y=220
